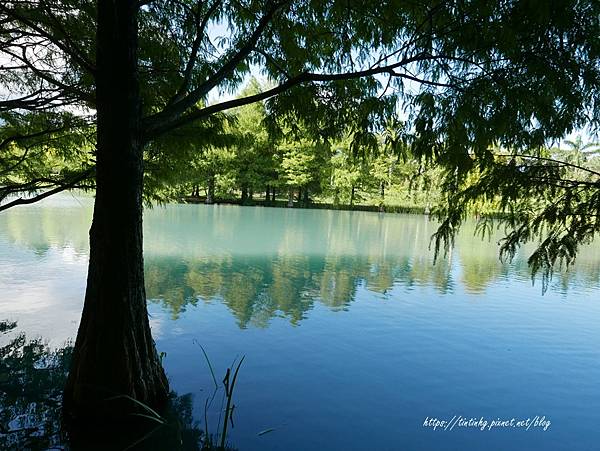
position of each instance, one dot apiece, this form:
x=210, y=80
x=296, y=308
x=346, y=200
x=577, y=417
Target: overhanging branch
x=153, y=129
x=73, y=182
x=173, y=112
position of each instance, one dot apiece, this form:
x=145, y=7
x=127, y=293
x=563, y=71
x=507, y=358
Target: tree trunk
x=267, y=193
x=290, y=198
x=210, y=192
x=114, y=353
x=273, y=194
x=244, y=197
x=352, y=195
x=306, y=200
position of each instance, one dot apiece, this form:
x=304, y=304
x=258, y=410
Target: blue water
x=351, y=336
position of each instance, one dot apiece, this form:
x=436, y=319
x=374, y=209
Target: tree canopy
x=464, y=74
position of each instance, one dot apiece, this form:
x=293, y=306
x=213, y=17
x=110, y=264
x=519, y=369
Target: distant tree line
x=264, y=159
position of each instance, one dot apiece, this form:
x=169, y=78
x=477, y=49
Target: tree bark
x=114, y=354
x=244, y=197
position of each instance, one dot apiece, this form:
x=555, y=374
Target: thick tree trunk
x=273, y=194
x=305, y=199
x=114, y=354
x=267, y=193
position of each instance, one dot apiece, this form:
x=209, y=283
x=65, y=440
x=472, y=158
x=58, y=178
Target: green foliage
x=303, y=164
x=177, y=162
x=347, y=173
x=538, y=198
x=465, y=76
x=254, y=153
x=37, y=150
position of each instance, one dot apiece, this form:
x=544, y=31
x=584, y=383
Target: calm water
x=351, y=336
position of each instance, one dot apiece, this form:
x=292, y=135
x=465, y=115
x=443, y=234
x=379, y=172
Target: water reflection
x=32, y=377
x=382, y=329
x=264, y=262
x=331, y=256
x=257, y=289
x=31, y=380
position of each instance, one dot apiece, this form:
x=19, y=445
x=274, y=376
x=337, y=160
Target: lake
x=352, y=338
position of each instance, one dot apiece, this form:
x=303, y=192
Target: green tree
x=178, y=166
x=348, y=173
x=578, y=152
x=302, y=165
x=254, y=162
x=140, y=72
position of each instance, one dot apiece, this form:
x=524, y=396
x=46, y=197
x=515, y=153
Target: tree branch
x=19, y=137
x=73, y=53
x=153, y=130
x=174, y=111
x=62, y=186
x=552, y=160
x=32, y=101
x=200, y=28
x=81, y=95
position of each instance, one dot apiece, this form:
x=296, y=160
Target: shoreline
x=310, y=206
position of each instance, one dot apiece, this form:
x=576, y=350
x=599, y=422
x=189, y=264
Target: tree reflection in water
x=258, y=288
x=31, y=379
x=32, y=376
